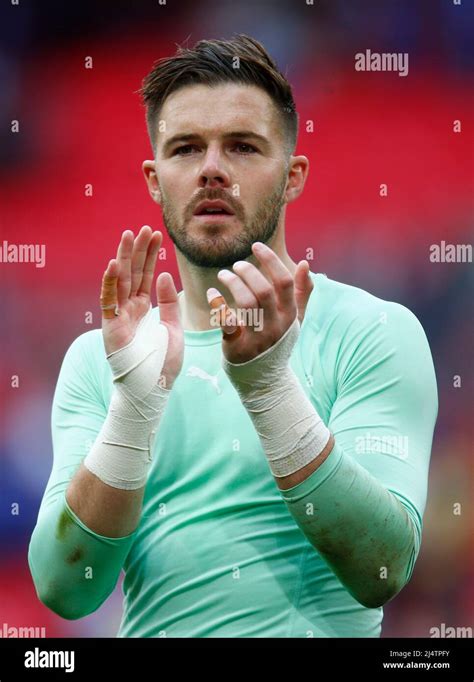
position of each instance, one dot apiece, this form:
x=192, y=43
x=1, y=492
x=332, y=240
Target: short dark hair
x=212, y=62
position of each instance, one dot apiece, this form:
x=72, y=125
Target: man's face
x=221, y=143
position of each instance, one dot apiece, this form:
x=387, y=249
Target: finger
x=303, y=287
x=108, y=294
x=227, y=320
x=150, y=264
x=167, y=298
x=262, y=289
x=124, y=256
x=242, y=295
x=279, y=274
x=139, y=253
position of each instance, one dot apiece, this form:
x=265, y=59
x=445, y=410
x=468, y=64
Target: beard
x=214, y=248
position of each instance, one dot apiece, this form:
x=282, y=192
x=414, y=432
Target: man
x=254, y=480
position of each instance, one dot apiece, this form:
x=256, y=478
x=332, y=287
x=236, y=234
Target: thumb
x=225, y=317
x=303, y=287
x=167, y=298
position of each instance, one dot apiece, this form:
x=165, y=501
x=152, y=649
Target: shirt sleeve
x=73, y=568
x=370, y=493
x=387, y=403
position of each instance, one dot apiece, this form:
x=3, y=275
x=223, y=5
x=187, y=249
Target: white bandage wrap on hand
x=122, y=453
x=291, y=432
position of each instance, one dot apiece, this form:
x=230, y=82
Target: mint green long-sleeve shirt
x=220, y=550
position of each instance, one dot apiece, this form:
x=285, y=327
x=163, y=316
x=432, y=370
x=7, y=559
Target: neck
x=196, y=281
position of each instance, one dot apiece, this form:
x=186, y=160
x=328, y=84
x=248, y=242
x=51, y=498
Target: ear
x=297, y=173
x=151, y=178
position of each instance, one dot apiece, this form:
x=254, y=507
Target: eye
x=183, y=150
x=245, y=148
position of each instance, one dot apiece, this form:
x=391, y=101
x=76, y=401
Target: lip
x=213, y=204
x=214, y=218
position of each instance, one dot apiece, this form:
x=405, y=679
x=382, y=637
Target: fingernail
x=212, y=293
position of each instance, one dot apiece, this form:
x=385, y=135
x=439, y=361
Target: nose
x=213, y=172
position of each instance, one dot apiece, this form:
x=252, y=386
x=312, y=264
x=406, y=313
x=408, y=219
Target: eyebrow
x=237, y=134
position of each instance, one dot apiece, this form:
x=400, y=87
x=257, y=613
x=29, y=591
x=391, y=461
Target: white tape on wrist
x=122, y=453
x=291, y=432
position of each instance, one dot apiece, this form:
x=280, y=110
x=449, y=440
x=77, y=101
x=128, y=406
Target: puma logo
x=194, y=371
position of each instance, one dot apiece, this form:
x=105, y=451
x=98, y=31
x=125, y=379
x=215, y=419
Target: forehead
x=205, y=110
